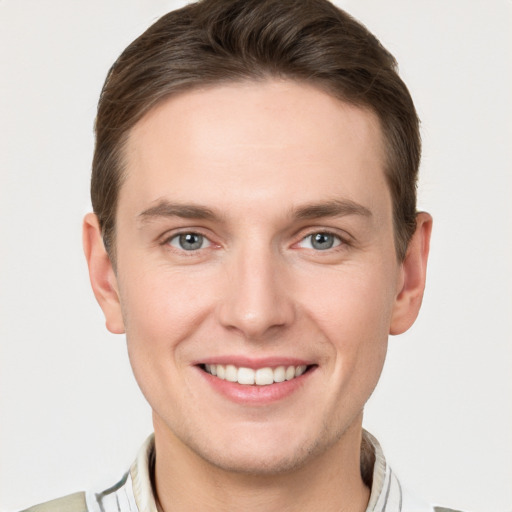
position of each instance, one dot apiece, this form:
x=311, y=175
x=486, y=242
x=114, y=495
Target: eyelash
x=339, y=242
x=167, y=241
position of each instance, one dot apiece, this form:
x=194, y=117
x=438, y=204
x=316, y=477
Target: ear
x=102, y=275
x=413, y=275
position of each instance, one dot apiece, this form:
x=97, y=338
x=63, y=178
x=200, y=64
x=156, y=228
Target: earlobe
x=414, y=269
x=102, y=275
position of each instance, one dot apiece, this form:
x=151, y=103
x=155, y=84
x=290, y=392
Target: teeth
x=231, y=373
x=280, y=374
x=221, y=371
x=260, y=377
x=264, y=377
x=245, y=376
x=290, y=373
x=300, y=370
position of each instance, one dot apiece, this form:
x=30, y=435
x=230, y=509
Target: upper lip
x=254, y=363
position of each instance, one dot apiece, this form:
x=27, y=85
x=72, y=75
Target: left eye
x=320, y=241
x=189, y=241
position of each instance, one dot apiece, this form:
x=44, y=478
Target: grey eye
x=189, y=241
x=320, y=241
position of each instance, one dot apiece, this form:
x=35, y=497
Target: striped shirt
x=134, y=492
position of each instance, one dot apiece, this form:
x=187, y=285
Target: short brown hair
x=216, y=41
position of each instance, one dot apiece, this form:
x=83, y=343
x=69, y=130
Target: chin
x=258, y=462
x=263, y=452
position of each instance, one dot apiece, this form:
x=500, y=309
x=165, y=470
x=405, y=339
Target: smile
x=255, y=377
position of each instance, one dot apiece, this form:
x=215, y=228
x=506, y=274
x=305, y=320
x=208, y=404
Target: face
x=256, y=270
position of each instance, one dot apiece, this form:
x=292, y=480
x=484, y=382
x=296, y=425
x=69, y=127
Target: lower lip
x=256, y=395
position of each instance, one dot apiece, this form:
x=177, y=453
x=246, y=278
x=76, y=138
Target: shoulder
x=71, y=503
x=117, y=498
x=387, y=492
x=131, y=494
x=411, y=502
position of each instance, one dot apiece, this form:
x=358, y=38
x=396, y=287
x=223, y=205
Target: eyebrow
x=166, y=209
x=334, y=208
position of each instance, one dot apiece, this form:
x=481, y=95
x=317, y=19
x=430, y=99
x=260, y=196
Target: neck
x=330, y=482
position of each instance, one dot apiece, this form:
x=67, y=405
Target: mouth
x=264, y=376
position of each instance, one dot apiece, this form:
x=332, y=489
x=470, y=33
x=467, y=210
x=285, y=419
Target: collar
x=386, y=492
x=140, y=473
x=134, y=493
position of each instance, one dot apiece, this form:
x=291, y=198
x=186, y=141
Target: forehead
x=259, y=141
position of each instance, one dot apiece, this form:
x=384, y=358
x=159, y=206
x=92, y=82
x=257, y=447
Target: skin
x=261, y=168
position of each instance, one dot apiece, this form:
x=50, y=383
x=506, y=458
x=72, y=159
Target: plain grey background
x=72, y=417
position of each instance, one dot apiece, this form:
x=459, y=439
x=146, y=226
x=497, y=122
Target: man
x=255, y=235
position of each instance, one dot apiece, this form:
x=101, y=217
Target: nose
x=257, y=301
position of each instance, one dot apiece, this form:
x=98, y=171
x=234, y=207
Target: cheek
x=357, y=300
x=163, y=304
x=161, y=310
x=354, y=315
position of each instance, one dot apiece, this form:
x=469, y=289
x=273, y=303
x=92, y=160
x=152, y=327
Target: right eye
x=189, y=241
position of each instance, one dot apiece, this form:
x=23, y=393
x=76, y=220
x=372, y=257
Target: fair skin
x=254, y=229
